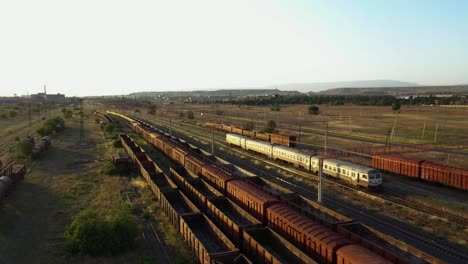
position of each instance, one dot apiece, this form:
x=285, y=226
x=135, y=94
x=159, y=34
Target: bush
x=68, y=113
x=12, y=113
x=314, y=110
x=90, y=233
x=3, y=115
x=117, y=143
x=275, y=108
x=24, y=149
x=396, y=106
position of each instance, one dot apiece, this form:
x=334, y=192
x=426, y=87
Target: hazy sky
x=116, y=47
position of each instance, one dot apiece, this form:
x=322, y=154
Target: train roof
x=299, y=151
x=349, y=165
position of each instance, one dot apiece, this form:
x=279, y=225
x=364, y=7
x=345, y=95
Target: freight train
x=314, y=239
x=350, y=172
x=422, y=169
x=9, y=176
x=280, y=139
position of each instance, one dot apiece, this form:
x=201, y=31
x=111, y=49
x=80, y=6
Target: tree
x=396, y=106
x=314, y=110
x=270, y=128
x=272, y=124
x=24, y=149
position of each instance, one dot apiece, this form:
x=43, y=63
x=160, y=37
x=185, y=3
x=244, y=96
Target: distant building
x=49, y=98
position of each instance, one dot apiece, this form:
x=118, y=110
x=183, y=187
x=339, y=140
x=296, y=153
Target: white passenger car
x=353, y=173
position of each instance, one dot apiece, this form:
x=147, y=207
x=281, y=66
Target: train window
x=353, y=174
x=371, y=177
x=343, y=171
x=334, y=168
x=339, y=170
x=364, y=176
x=326, y=166
x=377, y=176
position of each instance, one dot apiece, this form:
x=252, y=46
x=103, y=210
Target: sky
x=113, y=47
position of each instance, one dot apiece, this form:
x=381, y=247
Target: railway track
x=426, y=243
x=153, y=241
x=387, y=198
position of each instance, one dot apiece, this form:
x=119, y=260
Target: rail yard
x=238, y=195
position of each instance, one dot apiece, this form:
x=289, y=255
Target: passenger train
x=353, y=173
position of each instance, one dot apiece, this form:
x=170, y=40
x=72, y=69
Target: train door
x=242, y=143
x=355, y=177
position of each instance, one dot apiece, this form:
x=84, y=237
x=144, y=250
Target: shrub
x=314, y=110
x=117, y=143
x=3, y=115
x=68, y=114
x=12, y=113
x=90, y=233
x=24, y=149
x=275, y=108
x=396, y=106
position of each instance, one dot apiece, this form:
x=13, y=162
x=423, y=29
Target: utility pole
x=325, y=142
x=349, y=124
x=256, y=122
x=319, y=188
x=300, y=125
x=170, y=127
x=435, y=135
x=212, y=141
x=81, y=121
x=424, y=130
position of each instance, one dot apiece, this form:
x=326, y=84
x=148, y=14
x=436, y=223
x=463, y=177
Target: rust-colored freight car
x=285, y=140
x=446, y=175
x=263, y=136
x=178, y=175
x=227, y=128
x=250, y=198
x=397, y=164
x=18, y=172
x=352, y=254
x=216, y=176
x=178, y=154
x=264, y=246
x=316, y=211
x=160, y=182
x=313, y=238
x=358, y=233
x=169, y=144
x=248, y=133
x=231, y=219
x=194, y=164
x=176, y=204
x=208, y=243
x=199, y=192
x=236, y=130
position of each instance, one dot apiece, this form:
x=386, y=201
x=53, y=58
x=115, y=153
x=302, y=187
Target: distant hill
x=320, y=86
x=398, y=91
